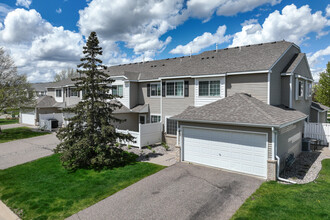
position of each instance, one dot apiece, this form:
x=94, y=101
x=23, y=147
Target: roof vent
x=167, y=58
x=155, y=65
x=226, y=49
x=207, y=57
x=174, y=58
x=247, y=45
x=212, y=57
x=163, y=64
x=182, y=57
x=274, y=42
x=260, y=44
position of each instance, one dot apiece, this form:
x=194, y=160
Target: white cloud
x=24, y=3
x=293, y=24
x=23, y=26
x=4, y=10
x=139, y=24
x=318, y=56
x=205, y=40
x=205, y=9
x=327, y=11
x=38, y=48
x=59, y=11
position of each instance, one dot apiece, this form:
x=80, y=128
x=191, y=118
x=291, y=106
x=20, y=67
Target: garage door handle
x=219, y=154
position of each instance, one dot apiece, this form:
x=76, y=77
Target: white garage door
x=231, y=150
x=28, y=118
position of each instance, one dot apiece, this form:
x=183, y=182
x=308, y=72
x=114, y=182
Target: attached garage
x=28, y=117
x=239, y=151
x=239, y=133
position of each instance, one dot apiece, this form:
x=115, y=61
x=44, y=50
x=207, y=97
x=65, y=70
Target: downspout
x=274, y=139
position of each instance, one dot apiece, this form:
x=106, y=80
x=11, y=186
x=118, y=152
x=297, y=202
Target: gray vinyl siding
x=134, y=94
x=285, y=90
x=154, y=102
x=301, y=104
x=175, y=105
x=275, y=76
x=236, y=128
x=313, y=115
x=323, y=117
x=254, y=84
x=289, y=141
x=131, y=122
x=302, y=68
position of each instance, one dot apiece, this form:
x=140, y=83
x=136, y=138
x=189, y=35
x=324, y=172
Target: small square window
x=117, y=90
x=155, y=118
x=73, y=92
x=171, y=126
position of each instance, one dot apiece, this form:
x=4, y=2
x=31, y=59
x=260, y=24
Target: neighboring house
x=198, y=100
x=319, y=113
x=40, y=89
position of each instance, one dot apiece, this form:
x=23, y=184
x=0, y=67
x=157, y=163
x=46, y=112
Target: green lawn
x=278, y=201
x=43, y=189
x=18, y=133
x=8, y=121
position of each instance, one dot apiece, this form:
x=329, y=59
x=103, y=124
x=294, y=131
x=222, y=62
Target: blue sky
x=45, y=37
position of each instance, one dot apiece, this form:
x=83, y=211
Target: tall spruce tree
x=89, y=139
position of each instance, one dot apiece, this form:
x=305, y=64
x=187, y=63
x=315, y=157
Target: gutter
x=278, y=173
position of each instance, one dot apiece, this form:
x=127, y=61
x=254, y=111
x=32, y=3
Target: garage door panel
x=238, y=151
x=28, y=118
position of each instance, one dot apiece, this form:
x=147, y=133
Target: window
x=300, y=88
x=171, y=126
x=58, y=93
x=155, y=89
x=209, y=88
x=117, y=90
x=174, y=88
x=310, y=89
x=73, y=92
x=155, y=118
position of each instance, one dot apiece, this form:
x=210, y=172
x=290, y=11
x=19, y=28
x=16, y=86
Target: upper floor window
x=117, y=90
x=155, y=89
x=300, y=88
x=310, y=89
x=73, y=92
x=209, y=88
x=174, y=88
x=58, y=92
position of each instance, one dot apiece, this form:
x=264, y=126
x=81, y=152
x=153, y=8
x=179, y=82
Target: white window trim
x=156, y=115
x=160, y=94
x=70, y=90
x=166, y=117
x=209, y=80
x=117, y=89
x=174, y=96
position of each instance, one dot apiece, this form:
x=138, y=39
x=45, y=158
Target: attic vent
x=260, y=44
x=167, y=58
x=207, y=57
x=129, y=64
x=163, y=65
x=273, y=42
x=226, y=49
x=247, y=45
x=202, y=58
x=212, y=57
x=155, y=65
x=182, y=57
x=174, y=58
x=151, y=66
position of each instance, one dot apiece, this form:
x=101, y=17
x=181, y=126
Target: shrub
x=165, y=146
x=149, y=147
x=129, y=146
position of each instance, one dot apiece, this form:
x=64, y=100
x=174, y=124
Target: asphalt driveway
x=24, y=150
x=181, y=191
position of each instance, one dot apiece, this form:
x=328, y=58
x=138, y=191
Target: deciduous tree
x=322, y=89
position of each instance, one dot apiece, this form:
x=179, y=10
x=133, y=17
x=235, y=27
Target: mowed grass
x=18, y=133
x=43, y=189
x=279, y=201
x=8, y=121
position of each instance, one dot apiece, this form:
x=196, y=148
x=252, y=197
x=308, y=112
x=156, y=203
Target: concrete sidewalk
x=16, y=126
x=6, y=213
x=21, y=151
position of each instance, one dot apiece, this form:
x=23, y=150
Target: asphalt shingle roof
x=246, y=58
x=241, y=109
x=293, y=63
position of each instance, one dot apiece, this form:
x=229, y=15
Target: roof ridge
x=244, y=96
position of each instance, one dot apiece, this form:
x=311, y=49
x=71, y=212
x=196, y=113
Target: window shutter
x=186, y=88
x=297, y=89
x=148, y=90
x=78, y=93
x=306, y=90
x=163, y=89
x=69, y=91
